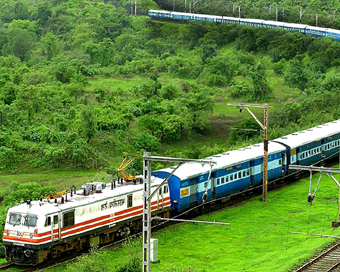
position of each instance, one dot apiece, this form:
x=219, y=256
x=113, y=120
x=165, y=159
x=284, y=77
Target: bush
x=94, y=262
x=26, y=191
x=240, y=89
x=135, y=261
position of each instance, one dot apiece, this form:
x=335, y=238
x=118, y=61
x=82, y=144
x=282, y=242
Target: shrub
x=96, y=261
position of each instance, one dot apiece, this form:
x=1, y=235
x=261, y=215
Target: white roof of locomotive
x=310, y=135
x=225, y=160
x=45, y=208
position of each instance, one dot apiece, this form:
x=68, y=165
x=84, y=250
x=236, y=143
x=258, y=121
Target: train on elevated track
x=304, y=29
x=98, y=213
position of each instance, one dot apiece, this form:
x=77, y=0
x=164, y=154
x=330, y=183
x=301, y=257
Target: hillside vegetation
x=83, y=82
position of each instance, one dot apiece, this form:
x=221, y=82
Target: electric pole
x=264, y=127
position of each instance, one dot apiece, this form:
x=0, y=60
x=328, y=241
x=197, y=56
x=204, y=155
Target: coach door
x=252, y=171
x=55, y=227
x=160, y=199
x=213, y=185
x=284, y=163
x=193, y=190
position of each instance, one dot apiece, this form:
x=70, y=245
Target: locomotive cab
x=23, y=232
x=20, y=227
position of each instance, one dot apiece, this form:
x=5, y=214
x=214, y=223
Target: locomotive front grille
x=21, y=255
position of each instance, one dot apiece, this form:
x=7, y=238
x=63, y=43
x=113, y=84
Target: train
x=98, y=213
x=304, y=29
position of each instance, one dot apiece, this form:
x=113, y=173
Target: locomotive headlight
x=28, y=253
x=2, y=250
x=175, y=201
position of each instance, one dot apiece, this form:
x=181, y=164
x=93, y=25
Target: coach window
x=235, y=176
x=218, y=181
x=160, y=191
x=226, y=178
x=30, y=220
x=48, y=221
x=55, y=219
x=222, y=180
x=231, y=177
x=165, y=190
x=129, y=201
x=14, y=218
x=239, y=175
x=68, y=219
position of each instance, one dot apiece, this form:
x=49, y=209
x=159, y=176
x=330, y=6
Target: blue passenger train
x=240, y=169
x=304, y=29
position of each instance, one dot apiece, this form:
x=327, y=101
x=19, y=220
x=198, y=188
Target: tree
x=208, y=51
x=26, y=191
x=89, y=123
x=261, y=89
x=8, y=156
x=50, y=46
x=296, y=74
x=20, y=43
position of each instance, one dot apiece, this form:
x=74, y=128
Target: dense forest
x=84, y=81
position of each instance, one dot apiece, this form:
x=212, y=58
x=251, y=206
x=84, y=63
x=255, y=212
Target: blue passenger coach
x=235, y=170
x=316, y=31
x=191, y=184
x=304, y=29
x=333, y=33
x=310, y=146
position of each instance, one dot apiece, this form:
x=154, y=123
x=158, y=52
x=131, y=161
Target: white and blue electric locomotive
x=304, y=29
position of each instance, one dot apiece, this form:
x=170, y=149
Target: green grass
x=116, y=83
x=60, y=179
x=259, y=238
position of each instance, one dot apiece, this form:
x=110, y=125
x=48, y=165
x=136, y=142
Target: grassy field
x=59, y=179
x=259, y=238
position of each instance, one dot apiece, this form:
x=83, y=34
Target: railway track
x=5, y=267
x=327, y=261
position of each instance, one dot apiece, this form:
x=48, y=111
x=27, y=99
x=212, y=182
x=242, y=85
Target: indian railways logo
x=112, y=204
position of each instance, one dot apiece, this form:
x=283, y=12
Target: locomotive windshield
x=15, y=219
x=30, y=220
